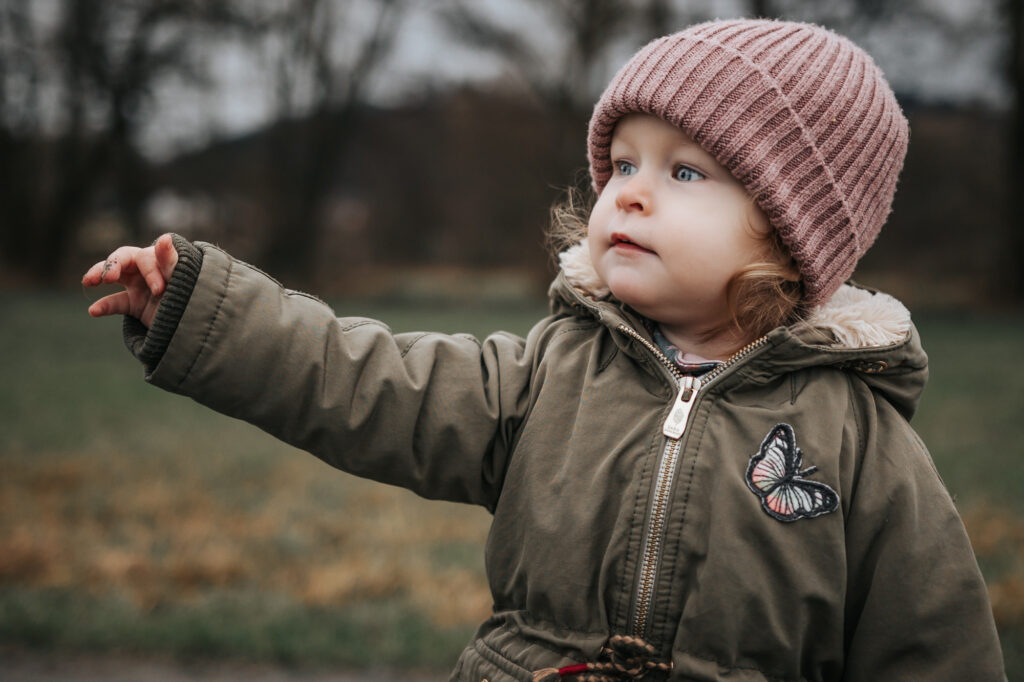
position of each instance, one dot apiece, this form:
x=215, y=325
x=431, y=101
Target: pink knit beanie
x=798, y=114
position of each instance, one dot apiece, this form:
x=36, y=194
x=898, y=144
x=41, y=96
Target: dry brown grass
x=997, y=535
x=115, y=524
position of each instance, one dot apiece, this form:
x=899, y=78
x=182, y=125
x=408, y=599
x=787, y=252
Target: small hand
x=142, y=272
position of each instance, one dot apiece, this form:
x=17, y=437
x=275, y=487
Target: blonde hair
x=766, y=294
x=762, y=296
x=570, y=215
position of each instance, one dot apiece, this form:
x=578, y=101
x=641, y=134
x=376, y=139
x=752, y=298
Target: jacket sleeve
x=434, y=413
x=149, y=345
x=917, y=607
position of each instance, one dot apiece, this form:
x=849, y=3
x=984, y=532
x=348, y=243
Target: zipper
x=688, y=388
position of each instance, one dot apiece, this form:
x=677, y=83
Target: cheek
x=742, y=238
x=600, y=212
x=595, y=253
x=595, y=241
x=598, y=227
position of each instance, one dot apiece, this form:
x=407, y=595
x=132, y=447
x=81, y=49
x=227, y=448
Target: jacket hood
x=857, y=329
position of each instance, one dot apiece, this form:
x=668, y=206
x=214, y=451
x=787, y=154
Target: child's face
x=672, y=227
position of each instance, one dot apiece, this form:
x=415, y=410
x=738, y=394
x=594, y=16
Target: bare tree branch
x=103, y=59
x=300, y=177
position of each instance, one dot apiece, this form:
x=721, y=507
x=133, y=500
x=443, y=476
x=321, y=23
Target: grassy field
x=134, y=520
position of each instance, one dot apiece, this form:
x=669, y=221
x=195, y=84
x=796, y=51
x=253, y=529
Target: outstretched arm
x=434, y=413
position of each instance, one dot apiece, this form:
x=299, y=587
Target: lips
x=621, y=242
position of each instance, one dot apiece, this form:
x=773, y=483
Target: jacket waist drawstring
x=623, y=658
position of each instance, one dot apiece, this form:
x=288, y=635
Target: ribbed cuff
x=149, y=345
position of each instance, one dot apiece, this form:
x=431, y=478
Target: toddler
x=699, y=465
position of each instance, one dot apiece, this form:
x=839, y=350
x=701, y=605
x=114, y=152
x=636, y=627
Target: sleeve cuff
x=149, y=345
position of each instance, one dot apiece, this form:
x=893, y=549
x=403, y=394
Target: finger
x=149, y=312
x=114, y=304
x=145, y=261
x=166, y=256
x=92, y=275
x=119, y=263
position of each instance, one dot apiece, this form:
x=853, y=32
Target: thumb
x=166, y=255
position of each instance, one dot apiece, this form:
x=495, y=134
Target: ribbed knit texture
x=149, y=345
x=798, y=114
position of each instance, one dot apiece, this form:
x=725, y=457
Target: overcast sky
x=922, y=59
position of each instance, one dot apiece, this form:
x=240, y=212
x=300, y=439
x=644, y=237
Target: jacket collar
x=858, y=329
x=854, y=317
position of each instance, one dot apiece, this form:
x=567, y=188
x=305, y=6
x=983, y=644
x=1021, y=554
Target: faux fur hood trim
x=859, y=318
x=854, y=317
x=579, y=270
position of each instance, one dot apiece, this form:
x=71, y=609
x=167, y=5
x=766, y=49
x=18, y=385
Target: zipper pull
x=675, y=424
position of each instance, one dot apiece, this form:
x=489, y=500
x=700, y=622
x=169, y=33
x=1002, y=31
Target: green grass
x=68, y=383
x=970, y=416
x=130, y=486
x=229, y=624
x=137, y=520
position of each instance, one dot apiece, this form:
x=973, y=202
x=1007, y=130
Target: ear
x=757, y=220
x=775, y=250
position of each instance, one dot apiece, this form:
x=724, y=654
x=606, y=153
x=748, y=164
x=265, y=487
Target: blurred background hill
x=334, y=143
x=400, y=157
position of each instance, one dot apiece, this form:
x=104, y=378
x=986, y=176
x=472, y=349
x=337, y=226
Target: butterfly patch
x=774, y=475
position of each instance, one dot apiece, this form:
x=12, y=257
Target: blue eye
x=686, y=174
x=624, y=168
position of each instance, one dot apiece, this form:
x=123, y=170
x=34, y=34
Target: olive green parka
x=604, y=526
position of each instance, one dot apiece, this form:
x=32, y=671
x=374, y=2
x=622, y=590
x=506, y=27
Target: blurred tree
x=1015, y=234
x=935, y=218
x=321, y=70
x=761, y=9
x=75, y=76
x=563, y=78
x=563, y=72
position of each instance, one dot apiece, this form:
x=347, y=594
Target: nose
x=634, y=194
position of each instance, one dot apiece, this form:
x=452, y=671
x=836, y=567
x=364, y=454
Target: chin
x=633, y=296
